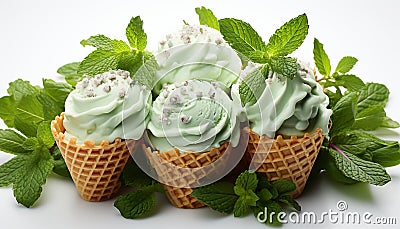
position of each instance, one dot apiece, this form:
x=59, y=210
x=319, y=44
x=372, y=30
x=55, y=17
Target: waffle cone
x=95, y=169
x=178, y=183
x=291, y=159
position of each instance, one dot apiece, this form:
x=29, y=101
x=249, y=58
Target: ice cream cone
x=178, y=182
x=291, y=159
x=95, y=169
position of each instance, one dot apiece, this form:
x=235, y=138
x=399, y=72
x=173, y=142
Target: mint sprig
x=251, y=192
x=350, y=154
x=30, y=110
x=111, y=54
x=141, y=202
x=246, y=41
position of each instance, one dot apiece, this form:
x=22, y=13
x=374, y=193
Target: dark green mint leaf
x=361, y=170
x=219, y=196
x=136, y=204
x=12, y=142
x=344, y=113
x=284, y=186
x=29, y=114
x=30, y=178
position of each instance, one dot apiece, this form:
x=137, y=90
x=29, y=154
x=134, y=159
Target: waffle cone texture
x=95, y=169
x=291, y=159
x=178, y=182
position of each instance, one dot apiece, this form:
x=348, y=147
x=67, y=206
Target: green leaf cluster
x=272, y=55
x=351, y=154
x=111, y=54
x=251, y=192
x=27, y=111
x=141, y=202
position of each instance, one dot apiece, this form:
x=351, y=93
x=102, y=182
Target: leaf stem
x=333, y=146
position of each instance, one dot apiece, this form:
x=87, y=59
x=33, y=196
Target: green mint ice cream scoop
x=194, y=116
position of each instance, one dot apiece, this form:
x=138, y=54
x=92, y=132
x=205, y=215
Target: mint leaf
x=44, y=134
x=245, y=187
x=370, y=118
x=265, y=194
x=247, y=180
x=344, y=112
x=286, y=199
x=289, y=37
x=359, y=169
x=387, y=156
x=136, y=36
x=321, y=59
x=57, y=91
x=21, y=88
x=136, y=204
x=30, y=178
x=207, y=17
x=97, y=62
x=10, y=169
x=284, y=186
x=98, y=41
x=372, y=94
x=146, y=74
x=241, y=36
x=133, y=176
x=31, y=143
x=389, y=123
x=285, y=66
x=12, y=142
x=8, y=110
x=70, y=73
x=29, y=113
x=219, y=196
x=351, y=82
x=346, y=64
x=50, y=108
x=60, y=167
x=263, y=183
x=251, y=88
x=241, y=208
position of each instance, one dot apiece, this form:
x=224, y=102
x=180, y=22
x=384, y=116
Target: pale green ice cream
x=194, y=116
x=105, y=107
x=196, y=52
x=290, y=106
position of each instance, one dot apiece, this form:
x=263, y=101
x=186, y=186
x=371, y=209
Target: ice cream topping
x=194, y=116
x=196, y=52
x=97, y=107
x=290, y=106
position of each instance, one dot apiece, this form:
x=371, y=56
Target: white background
x=36, y=37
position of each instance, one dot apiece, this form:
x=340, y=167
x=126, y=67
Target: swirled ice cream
x=194, y=116
x=99, y=105
x=290, y=106
x=196, y=52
